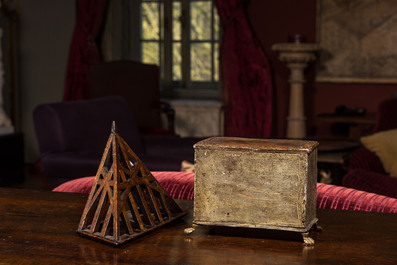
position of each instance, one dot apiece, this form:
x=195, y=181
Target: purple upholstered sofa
x=366, y=171
x=72, y=137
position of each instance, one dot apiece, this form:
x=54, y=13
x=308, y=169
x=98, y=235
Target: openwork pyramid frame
x=125, y=201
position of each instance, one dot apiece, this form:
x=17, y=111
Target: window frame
x=185, y=88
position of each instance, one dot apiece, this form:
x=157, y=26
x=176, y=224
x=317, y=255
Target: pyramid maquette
x=125, y=201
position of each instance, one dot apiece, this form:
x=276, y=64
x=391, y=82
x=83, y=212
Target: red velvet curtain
x=83, y=49
x=246, y=77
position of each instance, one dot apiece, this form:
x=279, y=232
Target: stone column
x=297, y=56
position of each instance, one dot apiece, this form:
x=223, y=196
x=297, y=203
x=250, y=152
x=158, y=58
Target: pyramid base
x=125, y=238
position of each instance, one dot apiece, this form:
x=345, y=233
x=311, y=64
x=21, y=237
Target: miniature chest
x=255, y=183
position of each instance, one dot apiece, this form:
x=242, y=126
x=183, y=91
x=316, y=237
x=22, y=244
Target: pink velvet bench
x=180, y=185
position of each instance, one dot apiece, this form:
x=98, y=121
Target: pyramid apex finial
x=114, y=128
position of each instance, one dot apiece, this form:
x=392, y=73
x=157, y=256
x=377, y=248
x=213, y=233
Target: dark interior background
x=274, y=21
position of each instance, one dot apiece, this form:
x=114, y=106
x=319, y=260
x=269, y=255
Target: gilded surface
x=251, y=188
x=257, y=145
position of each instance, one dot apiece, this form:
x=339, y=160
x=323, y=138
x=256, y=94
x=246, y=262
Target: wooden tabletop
x=39, y=227
x=368, y=118
x=359, y=125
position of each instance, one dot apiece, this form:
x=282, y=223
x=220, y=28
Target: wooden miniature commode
x=256, y=183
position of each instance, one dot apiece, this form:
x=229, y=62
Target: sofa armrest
x=363, y=158
x=342, y=198
x=370, y=181
x=168, y=145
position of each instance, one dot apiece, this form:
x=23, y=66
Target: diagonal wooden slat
x=156, y=207
x=146, y=209
x=123, y=197
x=106, y=221
x=98, y=211
x=136, y=211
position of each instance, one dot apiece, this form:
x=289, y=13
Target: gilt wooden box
x=256, y=183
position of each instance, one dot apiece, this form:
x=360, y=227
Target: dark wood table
x=38, y=227
x=359, y=125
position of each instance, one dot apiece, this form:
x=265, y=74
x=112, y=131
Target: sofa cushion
x=384, y=145
x=370, y=181
x=179, y=185
x=363, y=158
x=342, y=198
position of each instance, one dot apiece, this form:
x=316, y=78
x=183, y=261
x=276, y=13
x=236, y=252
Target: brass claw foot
x=307, y=240
x=189, y=230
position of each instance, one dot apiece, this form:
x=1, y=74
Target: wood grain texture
x=39, y=228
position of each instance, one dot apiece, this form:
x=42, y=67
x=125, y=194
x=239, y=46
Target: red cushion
x=337, y=197
x=80, y=185
x=179, y=185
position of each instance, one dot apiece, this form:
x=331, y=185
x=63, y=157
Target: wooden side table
x=359, y=125
x=332, y=158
